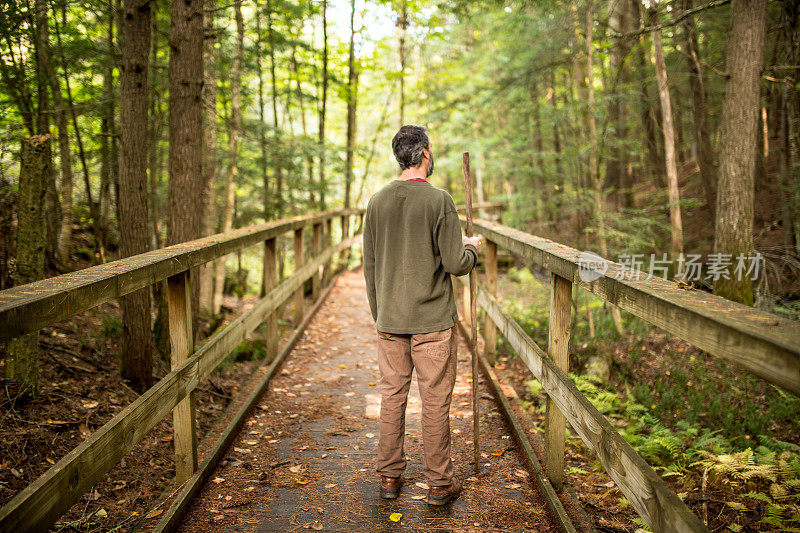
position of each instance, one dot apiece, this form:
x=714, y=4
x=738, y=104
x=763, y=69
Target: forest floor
x=80, y=390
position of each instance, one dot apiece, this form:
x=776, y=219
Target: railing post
x=270, y=282
x=489, y=329
x=316, y=247
x=326, y=269
x=558, y=349
x=181, y=341
x=298, y=264
x=344, y=255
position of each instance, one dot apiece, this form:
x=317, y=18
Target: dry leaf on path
x=395, y=517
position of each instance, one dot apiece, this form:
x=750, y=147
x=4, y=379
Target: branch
x=648, y=29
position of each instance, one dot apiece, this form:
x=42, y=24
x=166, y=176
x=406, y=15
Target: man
x=412, y=245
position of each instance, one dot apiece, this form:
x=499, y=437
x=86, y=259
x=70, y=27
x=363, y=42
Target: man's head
x=412, y=149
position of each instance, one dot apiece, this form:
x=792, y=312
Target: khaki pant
x=434, y=356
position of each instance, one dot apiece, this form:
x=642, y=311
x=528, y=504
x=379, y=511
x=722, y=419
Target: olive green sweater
x=412, y=244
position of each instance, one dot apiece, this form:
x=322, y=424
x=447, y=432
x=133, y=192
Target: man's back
x=412, y=243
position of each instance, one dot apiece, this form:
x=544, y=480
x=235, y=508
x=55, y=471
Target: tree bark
x=352, y=100
x=52, y=206
x=185, y=126
x=65, y=160
x=137, y=339
x=207, y=212
x=669, y=143
x=22, y=360
x=738, y=135
x=323, y=105
x=402, y=23
x=705, y=154
x=107, y=130
x=233, y=142
x=597, y=185
x=617, y=162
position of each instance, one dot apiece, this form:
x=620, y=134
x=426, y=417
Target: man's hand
x=474, y=241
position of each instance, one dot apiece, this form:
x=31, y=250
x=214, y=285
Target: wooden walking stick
x=473, y=323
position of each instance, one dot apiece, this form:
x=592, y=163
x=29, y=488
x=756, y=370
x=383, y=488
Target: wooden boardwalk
x=305, y=459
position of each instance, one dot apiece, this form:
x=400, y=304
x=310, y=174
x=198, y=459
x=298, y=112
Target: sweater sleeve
x=368, y=250
x=457, y=259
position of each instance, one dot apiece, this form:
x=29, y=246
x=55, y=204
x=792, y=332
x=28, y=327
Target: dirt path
x=306, y=458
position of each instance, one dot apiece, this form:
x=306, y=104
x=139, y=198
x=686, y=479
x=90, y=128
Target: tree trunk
x=262, y=136
x=705, y=154
x=207, y=212
x=22, y=360
x=323, y=105
x=669, y=143
x=617, y=162
x=107, y=129
x=402, y=23
x=277, y=162
x=65, y=161
x=185, y=126
x=352, y=99
x=597, y=185
x=655, y=162
x=233, y=143
x=738, y=134
x=52, y=207
x=137, y=339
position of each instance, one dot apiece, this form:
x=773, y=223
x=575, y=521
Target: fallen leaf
x=248, y=489
x=395, y=517
x=15, y=472
x=330, y=485
x=153, y=514
x=303, y=481
x=418, y=497
x=90, y=405
x=251, y=442
x=499, y=453
x=342, y=366
x=370, y=435
x=316, y=526
x=101, y=513
x=513, y=486
x=520, y=473
x=219, y=479
x=421, y=485
x=500, y=366
x=242, y=450
x=296, y=469
x=49, y=460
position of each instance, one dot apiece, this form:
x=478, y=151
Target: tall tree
x=323, y=104
x=52, y=206
x=22, y=362
x=185, y=123
x=705, y=154
x=352, y=100
x=231, y=178
x=669, y=142
x=402, y=23
x=137, y=338
x=738, y=137
x=108, y=165
x=208, y=186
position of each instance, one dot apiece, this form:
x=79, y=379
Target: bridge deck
x=305, y=459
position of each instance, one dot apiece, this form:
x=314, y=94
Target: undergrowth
x=698, y=419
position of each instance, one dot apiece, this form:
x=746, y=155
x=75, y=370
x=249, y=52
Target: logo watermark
x=689, y=267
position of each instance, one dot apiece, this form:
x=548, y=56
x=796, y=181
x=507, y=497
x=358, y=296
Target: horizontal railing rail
x=765, y=344
x=30, y=307
x=39, y=505
x=762, y=343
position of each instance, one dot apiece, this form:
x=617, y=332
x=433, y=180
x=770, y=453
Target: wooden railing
x=29, y=307
x=762, y=343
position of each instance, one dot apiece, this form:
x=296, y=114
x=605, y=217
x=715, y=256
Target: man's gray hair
x=408, y=144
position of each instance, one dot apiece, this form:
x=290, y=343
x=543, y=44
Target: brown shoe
x=444, y=494
x=390, y=487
